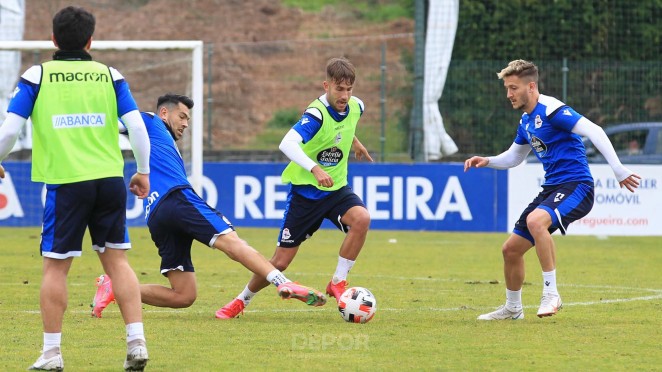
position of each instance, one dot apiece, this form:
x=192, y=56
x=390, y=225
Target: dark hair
x=340, y=70
x=73, y=27
x=170, y=99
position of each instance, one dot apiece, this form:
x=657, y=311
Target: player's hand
x=360, y=151
x=630, y=183
x=475, y=161
x=2, y=171
x=323, y=178
x=139, y=185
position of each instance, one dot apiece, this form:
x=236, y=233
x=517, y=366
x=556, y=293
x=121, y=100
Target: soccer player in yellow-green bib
x=319, y=146
x=74, y=103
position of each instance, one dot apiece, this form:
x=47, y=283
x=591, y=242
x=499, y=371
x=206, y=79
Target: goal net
x=152, y=68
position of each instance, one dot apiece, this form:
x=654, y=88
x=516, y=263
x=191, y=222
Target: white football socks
x=134, y=331
x=277, y=278
x=514, y=299
x=246, y=295
x=52, y=340
x=342, y=269
x=549, y=282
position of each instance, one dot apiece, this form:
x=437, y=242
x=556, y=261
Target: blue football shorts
x=565, y=203
x=181, y=217
x=99, y=205
x=304, y=216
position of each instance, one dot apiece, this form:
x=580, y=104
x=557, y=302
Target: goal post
x=196, y=54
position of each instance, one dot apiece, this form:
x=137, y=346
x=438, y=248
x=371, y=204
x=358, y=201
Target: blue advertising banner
x=398, y=196
x=21, y=200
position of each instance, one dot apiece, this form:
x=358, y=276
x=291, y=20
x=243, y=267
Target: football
x=357, y=305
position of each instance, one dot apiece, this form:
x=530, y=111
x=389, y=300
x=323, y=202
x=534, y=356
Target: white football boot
x=136, y=357
x=53, y=362
x=503, y=313
x=550, y=304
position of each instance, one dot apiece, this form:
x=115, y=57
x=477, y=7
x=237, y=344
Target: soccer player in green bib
x=74, y=103
x=319, y=147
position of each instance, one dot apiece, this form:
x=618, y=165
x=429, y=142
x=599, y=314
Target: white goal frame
x=196, y=48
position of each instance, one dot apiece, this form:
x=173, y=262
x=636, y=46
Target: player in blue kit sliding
x=176, y=216
x=554, y=131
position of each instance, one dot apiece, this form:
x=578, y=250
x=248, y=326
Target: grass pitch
x=429, y=286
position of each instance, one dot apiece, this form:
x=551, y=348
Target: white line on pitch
x=418, y=309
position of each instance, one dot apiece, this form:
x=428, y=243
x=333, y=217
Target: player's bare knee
x=535, y=225
x=505, y=250
x=538, y=221
x=509, y=251
x=280, y=265
x=232, y=245
x=362, y=224
x=188, y=301
x=360, y=221
x=183, y=301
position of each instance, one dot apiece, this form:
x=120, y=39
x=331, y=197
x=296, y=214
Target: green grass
x=371, y=10
x=430, y=287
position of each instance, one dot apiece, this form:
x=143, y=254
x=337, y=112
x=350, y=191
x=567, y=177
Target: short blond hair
x=340, y=70
x=520, y=68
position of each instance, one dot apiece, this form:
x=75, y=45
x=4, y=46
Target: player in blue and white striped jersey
x=554, y=131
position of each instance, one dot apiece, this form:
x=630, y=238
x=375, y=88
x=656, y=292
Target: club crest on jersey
x=286, y=233
x=539, y=146
x=338, y=138
x=537, y=122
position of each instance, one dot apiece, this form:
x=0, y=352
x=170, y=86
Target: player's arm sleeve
x=25, y=94
x=125, y=101
x=139, y=139
x=509, y=158
x=598, y=137
x=290, y=146
x=309, y=124
x=520, y=137
x=122, y=128
x=361, y=104
x=9, y=132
